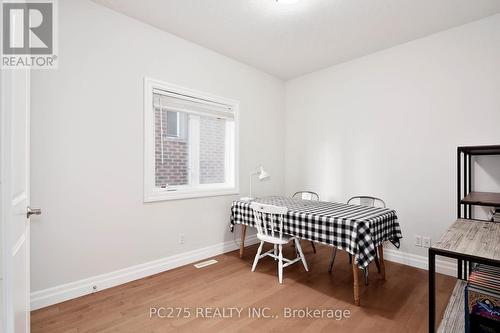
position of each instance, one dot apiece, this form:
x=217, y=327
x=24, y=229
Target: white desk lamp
x=261, y=175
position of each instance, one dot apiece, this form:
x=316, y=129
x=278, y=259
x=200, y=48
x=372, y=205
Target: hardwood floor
x=398, y=304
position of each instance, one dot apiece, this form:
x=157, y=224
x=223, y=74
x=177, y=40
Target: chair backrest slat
x=366, y=200
x=306, y=195
x=269, y=219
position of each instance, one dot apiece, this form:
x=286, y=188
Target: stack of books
x=482, y=300
x=494, y=214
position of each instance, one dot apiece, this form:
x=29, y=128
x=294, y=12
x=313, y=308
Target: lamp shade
x=263, y=175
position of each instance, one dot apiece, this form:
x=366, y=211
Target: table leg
x=355, y=273
x=432, y=291
x=381, y=260
x=242, y=244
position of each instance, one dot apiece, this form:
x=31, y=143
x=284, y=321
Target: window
x=173, y=126
x=190, y=143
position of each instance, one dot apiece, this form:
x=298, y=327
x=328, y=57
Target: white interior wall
x=87, y=146
x=388, y=125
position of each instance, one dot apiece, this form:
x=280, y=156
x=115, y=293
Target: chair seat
x=275, y=240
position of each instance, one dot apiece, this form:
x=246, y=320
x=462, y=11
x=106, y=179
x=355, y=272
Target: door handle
x=32, y=211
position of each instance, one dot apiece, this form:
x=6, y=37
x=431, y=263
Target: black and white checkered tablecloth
x=355, y=229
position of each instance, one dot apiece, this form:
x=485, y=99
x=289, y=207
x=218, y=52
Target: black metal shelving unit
x=466, y=199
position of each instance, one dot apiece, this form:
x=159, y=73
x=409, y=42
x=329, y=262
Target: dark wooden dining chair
x=307, y=195
x=362, y=200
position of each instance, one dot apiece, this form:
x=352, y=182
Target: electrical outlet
x=426, y=242
x=182, y=238
x=418, y=240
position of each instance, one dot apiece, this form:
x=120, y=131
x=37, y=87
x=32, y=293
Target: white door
x=15, y=199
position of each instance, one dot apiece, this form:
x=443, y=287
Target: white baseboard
x=54, y=295
x=442, y=266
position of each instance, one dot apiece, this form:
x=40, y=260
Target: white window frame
x=151, y=192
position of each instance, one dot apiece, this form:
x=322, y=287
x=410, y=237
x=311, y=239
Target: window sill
x=187, y=194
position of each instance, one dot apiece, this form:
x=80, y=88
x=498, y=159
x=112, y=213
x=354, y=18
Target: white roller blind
x=180, y=103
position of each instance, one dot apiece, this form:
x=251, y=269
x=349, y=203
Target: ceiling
x=295, y=39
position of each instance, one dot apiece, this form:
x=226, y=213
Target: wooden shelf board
x=482, y=199
x=471, y=238
x=454, y=316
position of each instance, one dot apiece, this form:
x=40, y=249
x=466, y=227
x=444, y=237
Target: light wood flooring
x=398, y=304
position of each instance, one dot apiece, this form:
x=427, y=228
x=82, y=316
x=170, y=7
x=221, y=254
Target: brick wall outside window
x=212, y=150
x=173, y=169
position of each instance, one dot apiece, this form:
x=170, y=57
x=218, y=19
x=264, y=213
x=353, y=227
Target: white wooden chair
x=307, y=195
x=362, y=200
x=269, y=223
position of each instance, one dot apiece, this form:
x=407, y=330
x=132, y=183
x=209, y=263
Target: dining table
x=359, y=230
